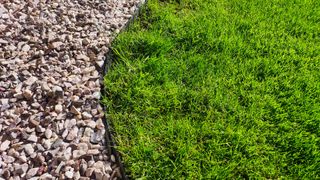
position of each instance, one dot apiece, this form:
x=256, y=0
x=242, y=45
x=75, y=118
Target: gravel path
x=51, y=55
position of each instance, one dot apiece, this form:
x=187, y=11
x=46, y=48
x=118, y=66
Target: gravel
x=51, y=58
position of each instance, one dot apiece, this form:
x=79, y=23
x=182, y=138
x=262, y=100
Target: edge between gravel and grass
x=110, y=133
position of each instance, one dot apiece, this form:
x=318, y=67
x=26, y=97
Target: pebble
x=40, y=129
x=57, y=171
x=28, y=149
x=100, y=63
x=76, y=175
x=86, y=115
x=82, y=57
x=106, y=177
x=57, y=44
x=78, y=153
x=58, y=108
x=46, y=176
x=96, y=95
x=31, y=80
x=25, y=48
x=74, y=110
x=65, y=133
x=4, y=101
x=40, y=147
x=40, y=159
x=72, y=134
x=71, y=123
x=57, y=143
x=2, y=41
x=113, y=158
x=108, y=168
x=32, y=172
x=83, y=146
x=91, y=163
x=99, y=165
x=21, y=169
x=96, y=137
x=12, y=152
x=89, y=172
x=98, y=174
x=100, y=124
x=48, y=133
x=34, y=123
x=47, y=144
x=93, y=152
x=4, y=145
x=33, y=138
x=58, y=91
x=69, y=174
x=67, y=153
x=27, y=94
x=74, y=98
x=90, y=123
x=87, y=132
x=8, y=159
x=22, y=158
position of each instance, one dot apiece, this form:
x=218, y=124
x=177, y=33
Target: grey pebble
x=4, y=145
x=48, y=133
x=28, y=149
x=32, y=172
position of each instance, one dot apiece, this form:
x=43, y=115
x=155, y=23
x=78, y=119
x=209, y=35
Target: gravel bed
x=51, y=57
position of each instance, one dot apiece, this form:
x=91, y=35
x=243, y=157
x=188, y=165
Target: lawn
x=218, y=89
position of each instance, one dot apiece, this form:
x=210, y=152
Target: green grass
x=218, y=89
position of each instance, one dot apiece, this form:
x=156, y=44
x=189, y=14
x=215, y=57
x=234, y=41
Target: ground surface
x=51, y=54
x=219, y=89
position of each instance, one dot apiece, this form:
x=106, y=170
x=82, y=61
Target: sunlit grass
x=216, y=89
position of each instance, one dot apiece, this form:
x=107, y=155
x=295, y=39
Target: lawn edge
x=110, y=133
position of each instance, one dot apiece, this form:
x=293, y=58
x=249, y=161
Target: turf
x=218, y=89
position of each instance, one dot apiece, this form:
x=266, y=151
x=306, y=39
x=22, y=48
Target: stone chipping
x=51, y=58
